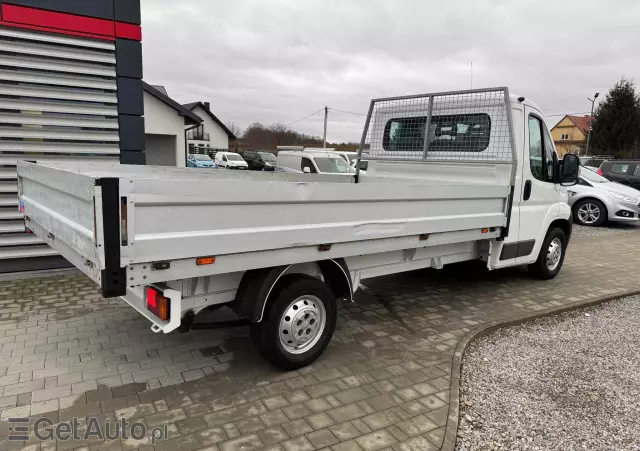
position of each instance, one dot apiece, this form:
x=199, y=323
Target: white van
x=314, y=162
x=230, y=160
x=349, y=157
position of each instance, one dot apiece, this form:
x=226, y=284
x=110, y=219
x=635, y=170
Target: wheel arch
x=257, y=285
x=566, y=225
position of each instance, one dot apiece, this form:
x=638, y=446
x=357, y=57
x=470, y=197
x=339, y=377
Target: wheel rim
x=554, y=253
x=589, y=213
x=302, y=324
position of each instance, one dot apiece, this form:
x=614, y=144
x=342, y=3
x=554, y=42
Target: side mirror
x=570, y=170
x=306, y=170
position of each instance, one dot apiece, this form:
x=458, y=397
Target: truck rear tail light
x=600, y=172
x=158, y=304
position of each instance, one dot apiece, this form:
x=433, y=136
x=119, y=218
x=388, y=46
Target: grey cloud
x=270, y=61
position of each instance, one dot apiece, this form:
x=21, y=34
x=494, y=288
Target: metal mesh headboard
x=472, y=125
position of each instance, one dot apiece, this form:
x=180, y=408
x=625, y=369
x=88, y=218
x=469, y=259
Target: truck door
x=539, y=195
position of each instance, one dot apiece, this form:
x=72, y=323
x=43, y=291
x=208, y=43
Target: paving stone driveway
x=383, y=382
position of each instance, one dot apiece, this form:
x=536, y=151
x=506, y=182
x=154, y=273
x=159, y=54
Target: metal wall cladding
x=58, y=101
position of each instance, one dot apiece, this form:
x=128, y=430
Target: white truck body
x=132, y=227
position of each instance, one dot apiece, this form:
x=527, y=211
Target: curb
x=451, y=428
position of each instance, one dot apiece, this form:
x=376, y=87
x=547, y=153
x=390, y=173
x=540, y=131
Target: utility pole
x=324, y=136
x=593, y=101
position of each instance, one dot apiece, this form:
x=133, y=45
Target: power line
x=348, y=112
x=306, y=117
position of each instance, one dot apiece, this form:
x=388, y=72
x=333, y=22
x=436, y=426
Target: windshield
x=234, y=157
x=202, y=157
x=591, y=176
x=333, y=165
x=266, y=156
x=352, y=157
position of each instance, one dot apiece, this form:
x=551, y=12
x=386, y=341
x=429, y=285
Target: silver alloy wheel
x=302, y=324
x=589, y=213
x=554, y=253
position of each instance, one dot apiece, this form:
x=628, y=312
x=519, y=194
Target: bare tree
x=235, y=129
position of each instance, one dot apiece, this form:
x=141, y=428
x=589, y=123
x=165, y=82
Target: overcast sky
x=280, y=60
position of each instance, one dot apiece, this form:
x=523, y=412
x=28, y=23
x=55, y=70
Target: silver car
x=595, y=200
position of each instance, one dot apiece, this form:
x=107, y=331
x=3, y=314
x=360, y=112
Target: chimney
x=207, y=106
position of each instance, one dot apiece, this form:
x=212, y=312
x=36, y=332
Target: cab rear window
x=456, y=132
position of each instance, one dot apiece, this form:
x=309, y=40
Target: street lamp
x=593, y=101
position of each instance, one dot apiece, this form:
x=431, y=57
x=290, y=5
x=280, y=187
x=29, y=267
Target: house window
x=564, y=136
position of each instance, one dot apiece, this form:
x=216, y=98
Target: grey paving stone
x=322, y=438
x=415, y=444
x=51, y=393
x=272, y=435
x=376, y=440
x=24, y=387
x=245, y=443
x=319, y=420
x=344, y=431
x=298, y=444
x=211, y=436
x=297, y=427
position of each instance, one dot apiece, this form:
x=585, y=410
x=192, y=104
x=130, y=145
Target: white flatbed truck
x=452, y=176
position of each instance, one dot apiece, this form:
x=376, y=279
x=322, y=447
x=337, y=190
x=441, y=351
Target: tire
x=590, y=213
x=548, y=264
x=301, y=302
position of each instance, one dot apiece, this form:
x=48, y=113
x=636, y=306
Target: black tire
x=541, y=268
x=602, y=218
x=265, y=335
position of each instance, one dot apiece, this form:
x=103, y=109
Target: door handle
x=527, y=190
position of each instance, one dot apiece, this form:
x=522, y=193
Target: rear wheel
x=551, y=256
x=298, y=323
x=590, y=212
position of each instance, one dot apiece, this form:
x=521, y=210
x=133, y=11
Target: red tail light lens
x=158, y=304
x=600, y=172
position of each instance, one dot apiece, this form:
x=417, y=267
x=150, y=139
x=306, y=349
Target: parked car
x=314, y=162
x=260, y=161
x=230, y=160
x=200, y=161
x=626, y=172
x=591, y=168
x=596, y=200
x=363, y=164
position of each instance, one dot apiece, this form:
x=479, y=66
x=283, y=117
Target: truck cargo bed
x=110, y=217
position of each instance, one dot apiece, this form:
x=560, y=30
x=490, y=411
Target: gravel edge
x=451, y=428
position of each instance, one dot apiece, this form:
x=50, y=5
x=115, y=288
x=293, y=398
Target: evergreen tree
x=616, y=128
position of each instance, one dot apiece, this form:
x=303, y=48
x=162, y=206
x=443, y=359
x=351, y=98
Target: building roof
x=189, y=116
x=582, y=122
x=191, y=106
x=161, y=88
